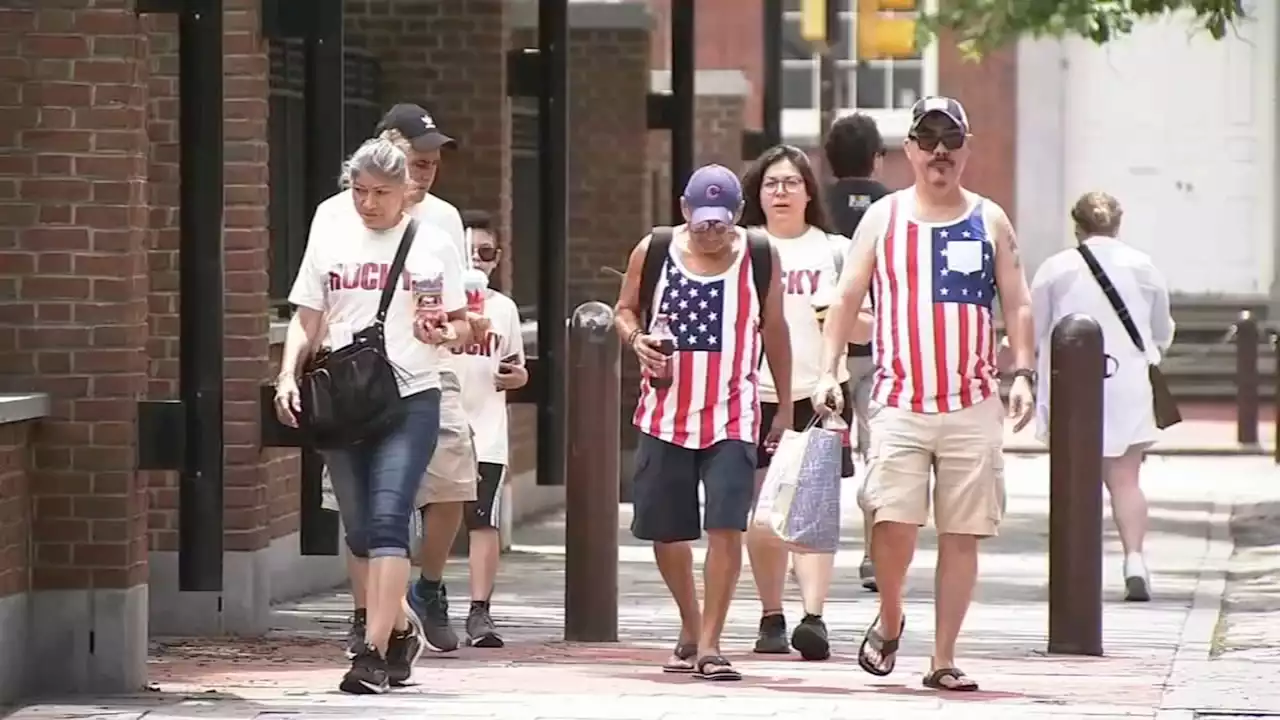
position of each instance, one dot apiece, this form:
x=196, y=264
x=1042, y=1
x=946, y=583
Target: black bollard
x=1077, y=367
x=1246, y=379
x=591, y=483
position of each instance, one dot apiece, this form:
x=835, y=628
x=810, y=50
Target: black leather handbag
x=352, y=394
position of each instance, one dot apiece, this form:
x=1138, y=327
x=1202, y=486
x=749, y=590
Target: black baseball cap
x=417, y=126
x=948, y=107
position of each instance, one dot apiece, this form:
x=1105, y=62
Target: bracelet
x=631, y=337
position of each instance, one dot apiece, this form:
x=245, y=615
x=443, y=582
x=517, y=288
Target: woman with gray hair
x=338, y=292
x=1073, y=281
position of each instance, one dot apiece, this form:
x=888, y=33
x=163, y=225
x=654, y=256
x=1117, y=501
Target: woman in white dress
x=1064, y=285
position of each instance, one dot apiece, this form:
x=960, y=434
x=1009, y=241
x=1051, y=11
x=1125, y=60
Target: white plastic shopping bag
x=800, y=498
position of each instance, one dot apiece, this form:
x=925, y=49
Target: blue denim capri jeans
x=376, y=482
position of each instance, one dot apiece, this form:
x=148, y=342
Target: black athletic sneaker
x=772, y=639
x=481, y=632
x=810, y=638
x=867, y=573
x=368, y=673
x=432, y=607
x=355, y=634
x=404, y=649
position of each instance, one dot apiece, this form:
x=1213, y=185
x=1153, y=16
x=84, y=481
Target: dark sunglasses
x=928, y=142
x=710, y=226
x=486, y=254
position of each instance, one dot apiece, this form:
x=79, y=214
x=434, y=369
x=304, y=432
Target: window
x=884, y=89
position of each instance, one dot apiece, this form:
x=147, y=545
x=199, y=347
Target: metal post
x=200, y=294
x=1247, y=379
x=553, y=230
x=591, y=494
x=771, y=102
x=683, y=63
x=1275, y=393
x=1077, y=366
x=827, y=100
x=325, y=112
x=318, y=529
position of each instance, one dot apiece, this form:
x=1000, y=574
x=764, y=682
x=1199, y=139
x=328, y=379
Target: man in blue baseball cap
x=697, y=303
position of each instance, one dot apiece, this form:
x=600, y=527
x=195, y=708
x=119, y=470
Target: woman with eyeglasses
x=782, y=197
x=1065, y=285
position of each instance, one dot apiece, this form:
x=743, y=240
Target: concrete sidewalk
x=1157, y=664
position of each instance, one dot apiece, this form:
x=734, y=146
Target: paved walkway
x=1157, y=662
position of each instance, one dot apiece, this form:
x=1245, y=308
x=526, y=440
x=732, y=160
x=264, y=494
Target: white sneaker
x=1137, y=581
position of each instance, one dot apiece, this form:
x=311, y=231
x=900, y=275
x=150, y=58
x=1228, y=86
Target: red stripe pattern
x=716, y=322
x=933, y=289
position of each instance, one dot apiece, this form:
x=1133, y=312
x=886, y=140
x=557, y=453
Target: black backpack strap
x=761, y=254
x=397, y=268
x=655, y=257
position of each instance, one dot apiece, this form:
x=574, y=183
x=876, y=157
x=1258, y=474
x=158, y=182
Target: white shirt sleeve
x=451, y=223
x=1042, y=302
x=1156, y=291
x=310, y=287
x=454, y=295
x=513, y=339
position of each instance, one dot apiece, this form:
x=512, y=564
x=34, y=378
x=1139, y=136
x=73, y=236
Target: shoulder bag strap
x=1113, y=296
x=397, y=269
x=654, y=257
x=761, y=253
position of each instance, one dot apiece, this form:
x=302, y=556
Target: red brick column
x=261, y=501
x=609, y=182
x=73, y=189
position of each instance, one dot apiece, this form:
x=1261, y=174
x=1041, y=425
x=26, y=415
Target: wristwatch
x=1030, y=375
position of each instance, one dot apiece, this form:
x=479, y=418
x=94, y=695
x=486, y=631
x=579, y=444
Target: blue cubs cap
x=713, y=193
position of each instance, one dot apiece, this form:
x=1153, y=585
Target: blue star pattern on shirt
x=695, y=309
x=963, y=263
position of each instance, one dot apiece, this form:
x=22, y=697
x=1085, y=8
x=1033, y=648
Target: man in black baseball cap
x=417, y=126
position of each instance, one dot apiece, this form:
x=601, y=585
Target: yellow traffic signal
x=813, y=21
x=881, y=37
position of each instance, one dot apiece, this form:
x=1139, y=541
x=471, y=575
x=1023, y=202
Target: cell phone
x=512, y=358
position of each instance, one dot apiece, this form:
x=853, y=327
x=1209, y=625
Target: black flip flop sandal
x=724, y=672
x=886, y=648
x=934, y=680
x=684, y=654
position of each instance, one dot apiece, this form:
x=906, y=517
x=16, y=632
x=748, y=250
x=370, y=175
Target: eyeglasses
x=929, y=141
x=486, y=254
x=789, y=184
x=710, y=226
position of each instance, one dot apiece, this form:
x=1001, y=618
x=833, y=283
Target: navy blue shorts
x=665, y=489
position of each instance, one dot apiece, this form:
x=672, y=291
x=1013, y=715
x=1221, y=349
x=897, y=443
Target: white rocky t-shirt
x=345, y=268
x=477, y=367
x=809, y=280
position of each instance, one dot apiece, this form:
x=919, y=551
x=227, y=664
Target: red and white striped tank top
x=934, y=285
x=716, y=321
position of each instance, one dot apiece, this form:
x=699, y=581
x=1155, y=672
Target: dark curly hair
x=815, y=212
x=852, y=145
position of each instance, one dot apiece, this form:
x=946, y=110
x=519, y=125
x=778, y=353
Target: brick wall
x=72, y=185
x=15, y=508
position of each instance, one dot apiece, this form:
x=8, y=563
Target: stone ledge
x=586, y=14
x=18, y=407
x=706, y=83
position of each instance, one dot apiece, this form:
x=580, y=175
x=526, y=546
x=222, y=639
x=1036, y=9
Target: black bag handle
x=1113, y=296
x=397, y=268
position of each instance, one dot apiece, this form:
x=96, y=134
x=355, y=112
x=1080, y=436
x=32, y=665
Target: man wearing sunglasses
x=719, y=290
x=935, y=256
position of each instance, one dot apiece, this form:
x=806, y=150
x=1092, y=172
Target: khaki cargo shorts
x=451, y=476
x=964, y=451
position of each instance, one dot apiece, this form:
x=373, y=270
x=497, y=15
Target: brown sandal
x=886, y=648
x=960, y=681
x=683, y=663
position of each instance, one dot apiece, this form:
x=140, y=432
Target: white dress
x=1063, y=286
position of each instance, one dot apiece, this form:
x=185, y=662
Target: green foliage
x=980, y=26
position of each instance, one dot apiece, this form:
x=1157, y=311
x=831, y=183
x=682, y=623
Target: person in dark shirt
x=855, y=154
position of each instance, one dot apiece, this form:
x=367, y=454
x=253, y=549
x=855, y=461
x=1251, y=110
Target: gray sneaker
x=481, y=632
x=867, y=573
x=433, y=609
x=355, y=635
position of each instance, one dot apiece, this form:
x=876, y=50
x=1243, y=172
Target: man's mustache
x=940, y=161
